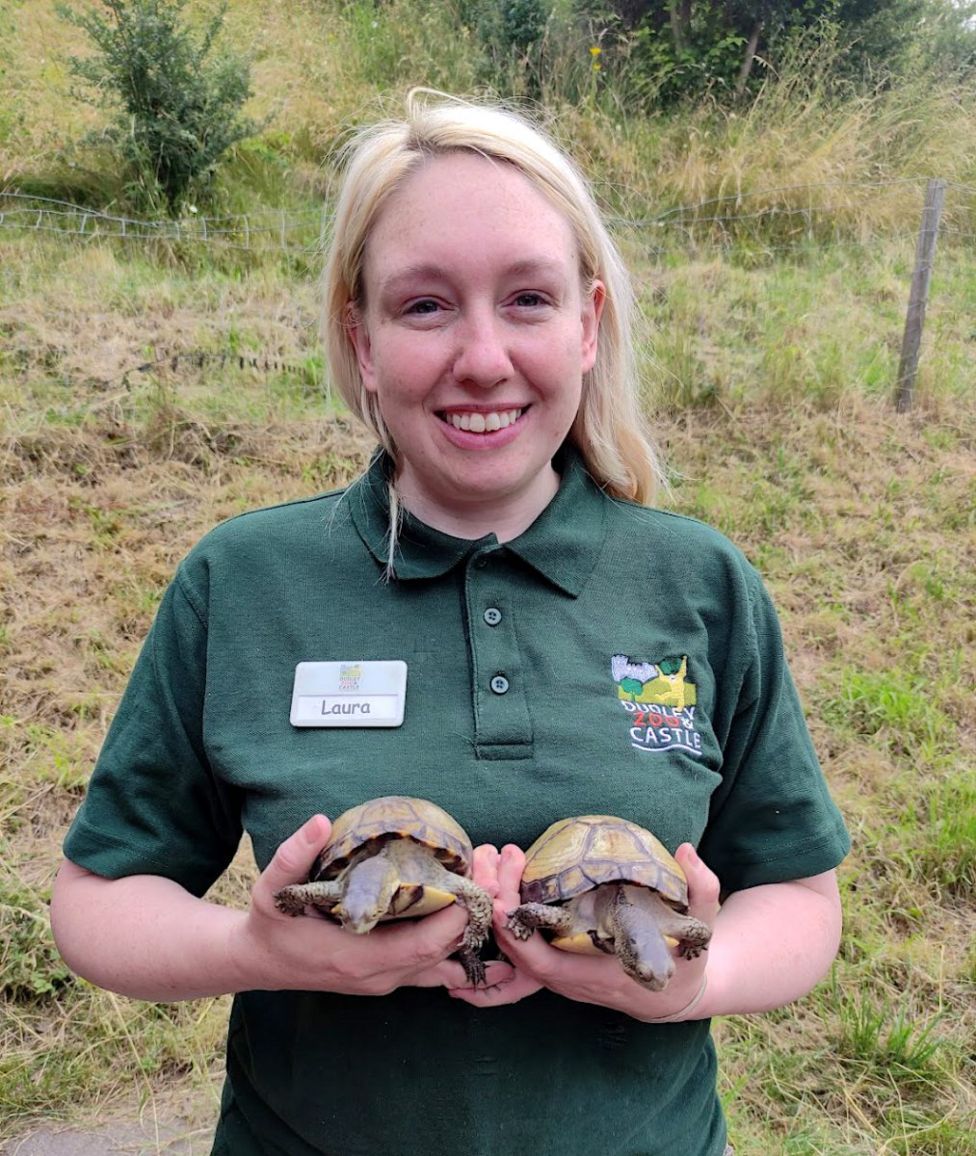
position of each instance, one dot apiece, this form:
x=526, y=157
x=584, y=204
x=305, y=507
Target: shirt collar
x=562, y=545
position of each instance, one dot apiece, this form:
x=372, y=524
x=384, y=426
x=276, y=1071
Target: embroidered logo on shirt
x=659, y=702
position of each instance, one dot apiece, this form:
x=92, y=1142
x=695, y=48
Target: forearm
x=145, y=936
x=771, y=945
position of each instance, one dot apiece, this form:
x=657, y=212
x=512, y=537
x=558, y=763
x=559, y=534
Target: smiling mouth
x=483, y=422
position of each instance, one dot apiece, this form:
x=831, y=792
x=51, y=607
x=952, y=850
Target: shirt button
x=499, y=684
x=493, y=616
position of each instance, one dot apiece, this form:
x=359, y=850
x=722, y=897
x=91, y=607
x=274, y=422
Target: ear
x=355, y=326
x=590, y=317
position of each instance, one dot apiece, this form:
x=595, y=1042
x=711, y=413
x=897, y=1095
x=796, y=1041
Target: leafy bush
x=510, y=33
x=178, y=103
x=666, y=52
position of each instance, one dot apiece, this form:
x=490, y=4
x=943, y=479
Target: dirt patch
x=142, y=1138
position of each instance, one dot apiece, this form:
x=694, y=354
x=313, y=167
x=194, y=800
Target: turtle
x=395, y=857
x=598, y=883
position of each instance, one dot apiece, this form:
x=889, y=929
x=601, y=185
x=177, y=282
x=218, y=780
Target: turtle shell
x=372, y=823
x=575, y=855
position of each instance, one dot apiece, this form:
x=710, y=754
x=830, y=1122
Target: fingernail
x=314, y=829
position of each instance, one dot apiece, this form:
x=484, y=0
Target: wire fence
x=772, y=221
x=778, y=217
x=286, y=231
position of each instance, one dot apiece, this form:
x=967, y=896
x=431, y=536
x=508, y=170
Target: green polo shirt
x=611, y=659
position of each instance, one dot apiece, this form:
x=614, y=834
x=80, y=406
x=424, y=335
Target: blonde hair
x=609, y=430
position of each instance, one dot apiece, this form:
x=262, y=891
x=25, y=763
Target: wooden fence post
x=919, y=294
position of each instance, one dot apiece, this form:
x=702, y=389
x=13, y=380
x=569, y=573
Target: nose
x=482, y=357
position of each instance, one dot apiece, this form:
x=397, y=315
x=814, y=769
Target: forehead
x=464, y=205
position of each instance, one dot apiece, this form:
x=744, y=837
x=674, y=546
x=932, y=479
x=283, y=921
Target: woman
x=500, y=545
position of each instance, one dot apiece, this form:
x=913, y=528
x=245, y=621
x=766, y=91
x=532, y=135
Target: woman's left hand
x=590, y=979
x=507, y=981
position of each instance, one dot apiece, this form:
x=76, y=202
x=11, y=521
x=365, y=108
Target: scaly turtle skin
x=394, y=858
x=596, y=883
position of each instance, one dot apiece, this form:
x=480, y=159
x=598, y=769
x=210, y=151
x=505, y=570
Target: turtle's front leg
x=527, y=917
x=692, y=936
x=479, y=905
x=294, y=899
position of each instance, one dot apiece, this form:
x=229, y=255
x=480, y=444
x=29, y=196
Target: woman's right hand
x=281, y=952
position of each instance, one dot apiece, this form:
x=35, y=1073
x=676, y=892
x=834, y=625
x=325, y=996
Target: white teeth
x=484, y=422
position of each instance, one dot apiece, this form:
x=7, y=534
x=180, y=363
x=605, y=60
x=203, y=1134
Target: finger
x=534, y=954
x=703, y=884
x=498, y=972
x=413, y=945
x=447, y=973
x=293, y=860
x=561, y=971
x=484, y=868
x=511, y=864
x=498, y=990
x=451, y=975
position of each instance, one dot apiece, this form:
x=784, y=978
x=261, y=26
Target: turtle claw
x=517, y=927
x=474, y=967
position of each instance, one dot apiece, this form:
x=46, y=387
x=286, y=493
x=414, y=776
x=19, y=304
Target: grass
x=853, y=560
x=147, y=391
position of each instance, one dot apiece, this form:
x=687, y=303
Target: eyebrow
x=427, y=271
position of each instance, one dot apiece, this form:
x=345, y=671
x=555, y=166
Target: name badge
x=349, y=694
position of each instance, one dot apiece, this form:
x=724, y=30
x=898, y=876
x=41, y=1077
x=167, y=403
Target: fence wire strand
x=263, y=229
x=300, y=231
x=759, y=224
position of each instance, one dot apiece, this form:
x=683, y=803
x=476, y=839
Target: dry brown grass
x=96, y=517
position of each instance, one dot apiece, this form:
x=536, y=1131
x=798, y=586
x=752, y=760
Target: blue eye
x=424, y=306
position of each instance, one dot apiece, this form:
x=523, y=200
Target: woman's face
x=474, y=335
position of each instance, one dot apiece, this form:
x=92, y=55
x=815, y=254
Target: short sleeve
x=154, y=805
x=772, y=819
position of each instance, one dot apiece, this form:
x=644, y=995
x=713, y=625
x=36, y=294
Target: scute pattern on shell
x=575, y=855
x=391, y=817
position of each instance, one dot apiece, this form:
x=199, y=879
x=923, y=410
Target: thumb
x=293, y=860
x=511, y=864
x=703, y=884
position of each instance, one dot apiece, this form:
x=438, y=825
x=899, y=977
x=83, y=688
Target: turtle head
x=654, y=973
x=641, y=947
x=370, y=886
x=356, y=916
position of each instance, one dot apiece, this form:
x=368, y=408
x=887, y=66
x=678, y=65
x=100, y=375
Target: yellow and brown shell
x=575, y=855
x=372, y=823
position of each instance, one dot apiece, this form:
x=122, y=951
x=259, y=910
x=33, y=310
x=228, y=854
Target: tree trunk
x=746, y=70
x=680, y=15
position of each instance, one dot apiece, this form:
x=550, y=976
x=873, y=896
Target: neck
x=473, y=517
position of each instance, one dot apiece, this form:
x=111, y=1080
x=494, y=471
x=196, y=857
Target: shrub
x=510, y=33
x=177, y=102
